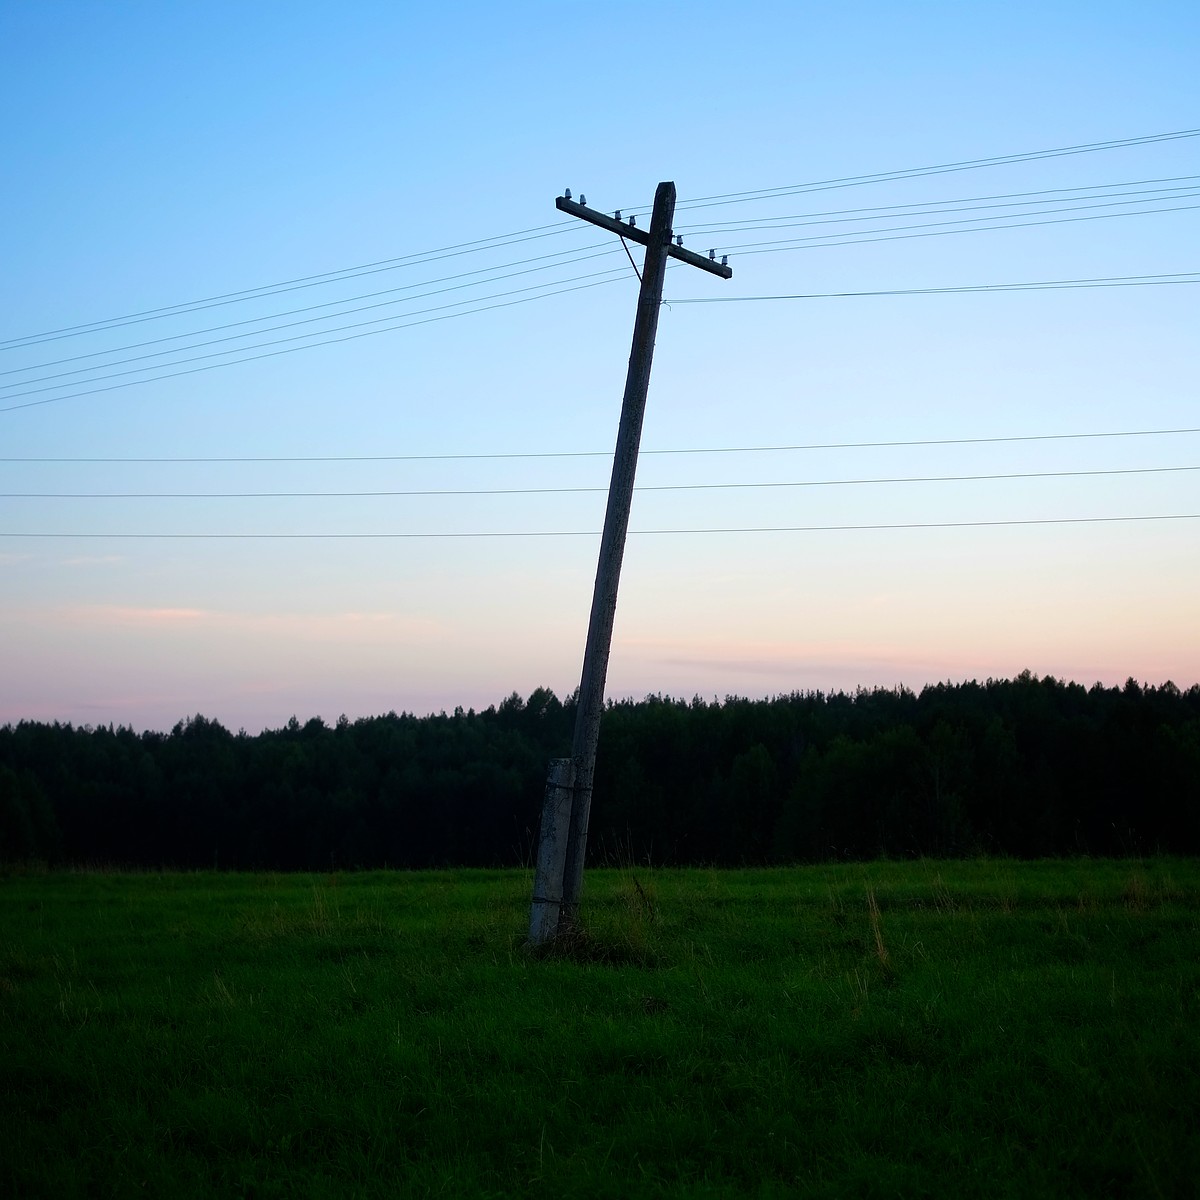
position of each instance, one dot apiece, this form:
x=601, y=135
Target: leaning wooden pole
x=612, y=545
x=562, y=846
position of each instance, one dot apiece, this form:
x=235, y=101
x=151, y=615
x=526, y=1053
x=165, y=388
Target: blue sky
x=163, y=154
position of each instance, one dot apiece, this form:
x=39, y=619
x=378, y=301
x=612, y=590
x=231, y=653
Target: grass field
x=985, y=1028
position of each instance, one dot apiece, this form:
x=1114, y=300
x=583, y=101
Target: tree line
x=1025, y=767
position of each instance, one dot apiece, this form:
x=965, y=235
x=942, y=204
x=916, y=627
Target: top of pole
x=633, y=234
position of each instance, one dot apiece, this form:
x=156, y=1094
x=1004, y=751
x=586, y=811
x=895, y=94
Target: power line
x=357, y=458
x=1065, y=204
x=943, y=208
x=281, y=341
x=553, y=229
x=936, y=169
x=883, y=210
x=868, y=235
x=571, y=261
x=386, y=264
x=1038, y=286
x=613, y=277
x=565, y=256
x=563, y=491
x=571, y=533
x=1110, y=281
x=1182, y=277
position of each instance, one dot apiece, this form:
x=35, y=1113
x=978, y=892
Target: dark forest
x=1026, y=767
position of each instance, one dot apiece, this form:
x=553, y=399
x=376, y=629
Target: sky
x=257, y=257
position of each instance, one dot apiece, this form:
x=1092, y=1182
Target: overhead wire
x=611, y=277
x=590, y=533
x=576, y=257
x=1176, y=278
x=580, y=490
x=863, y=237
x=566, y=257
x=555, y=228
x=726, y=228
x=319, y=338
x=477, y=246
x=100, y=372
x=972, y=164
x=882, y=210
x=936, y=208
x=488, y=534
x=687, y=450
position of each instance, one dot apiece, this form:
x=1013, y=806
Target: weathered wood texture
x=552, y=852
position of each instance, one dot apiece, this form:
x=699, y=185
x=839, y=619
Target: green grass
x=926, y=1029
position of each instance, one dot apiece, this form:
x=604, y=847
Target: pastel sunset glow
x=309, y=393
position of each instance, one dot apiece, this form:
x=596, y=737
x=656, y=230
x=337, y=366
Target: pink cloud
x=115, y=614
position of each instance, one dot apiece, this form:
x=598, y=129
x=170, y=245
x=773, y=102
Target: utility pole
x=559, y=877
